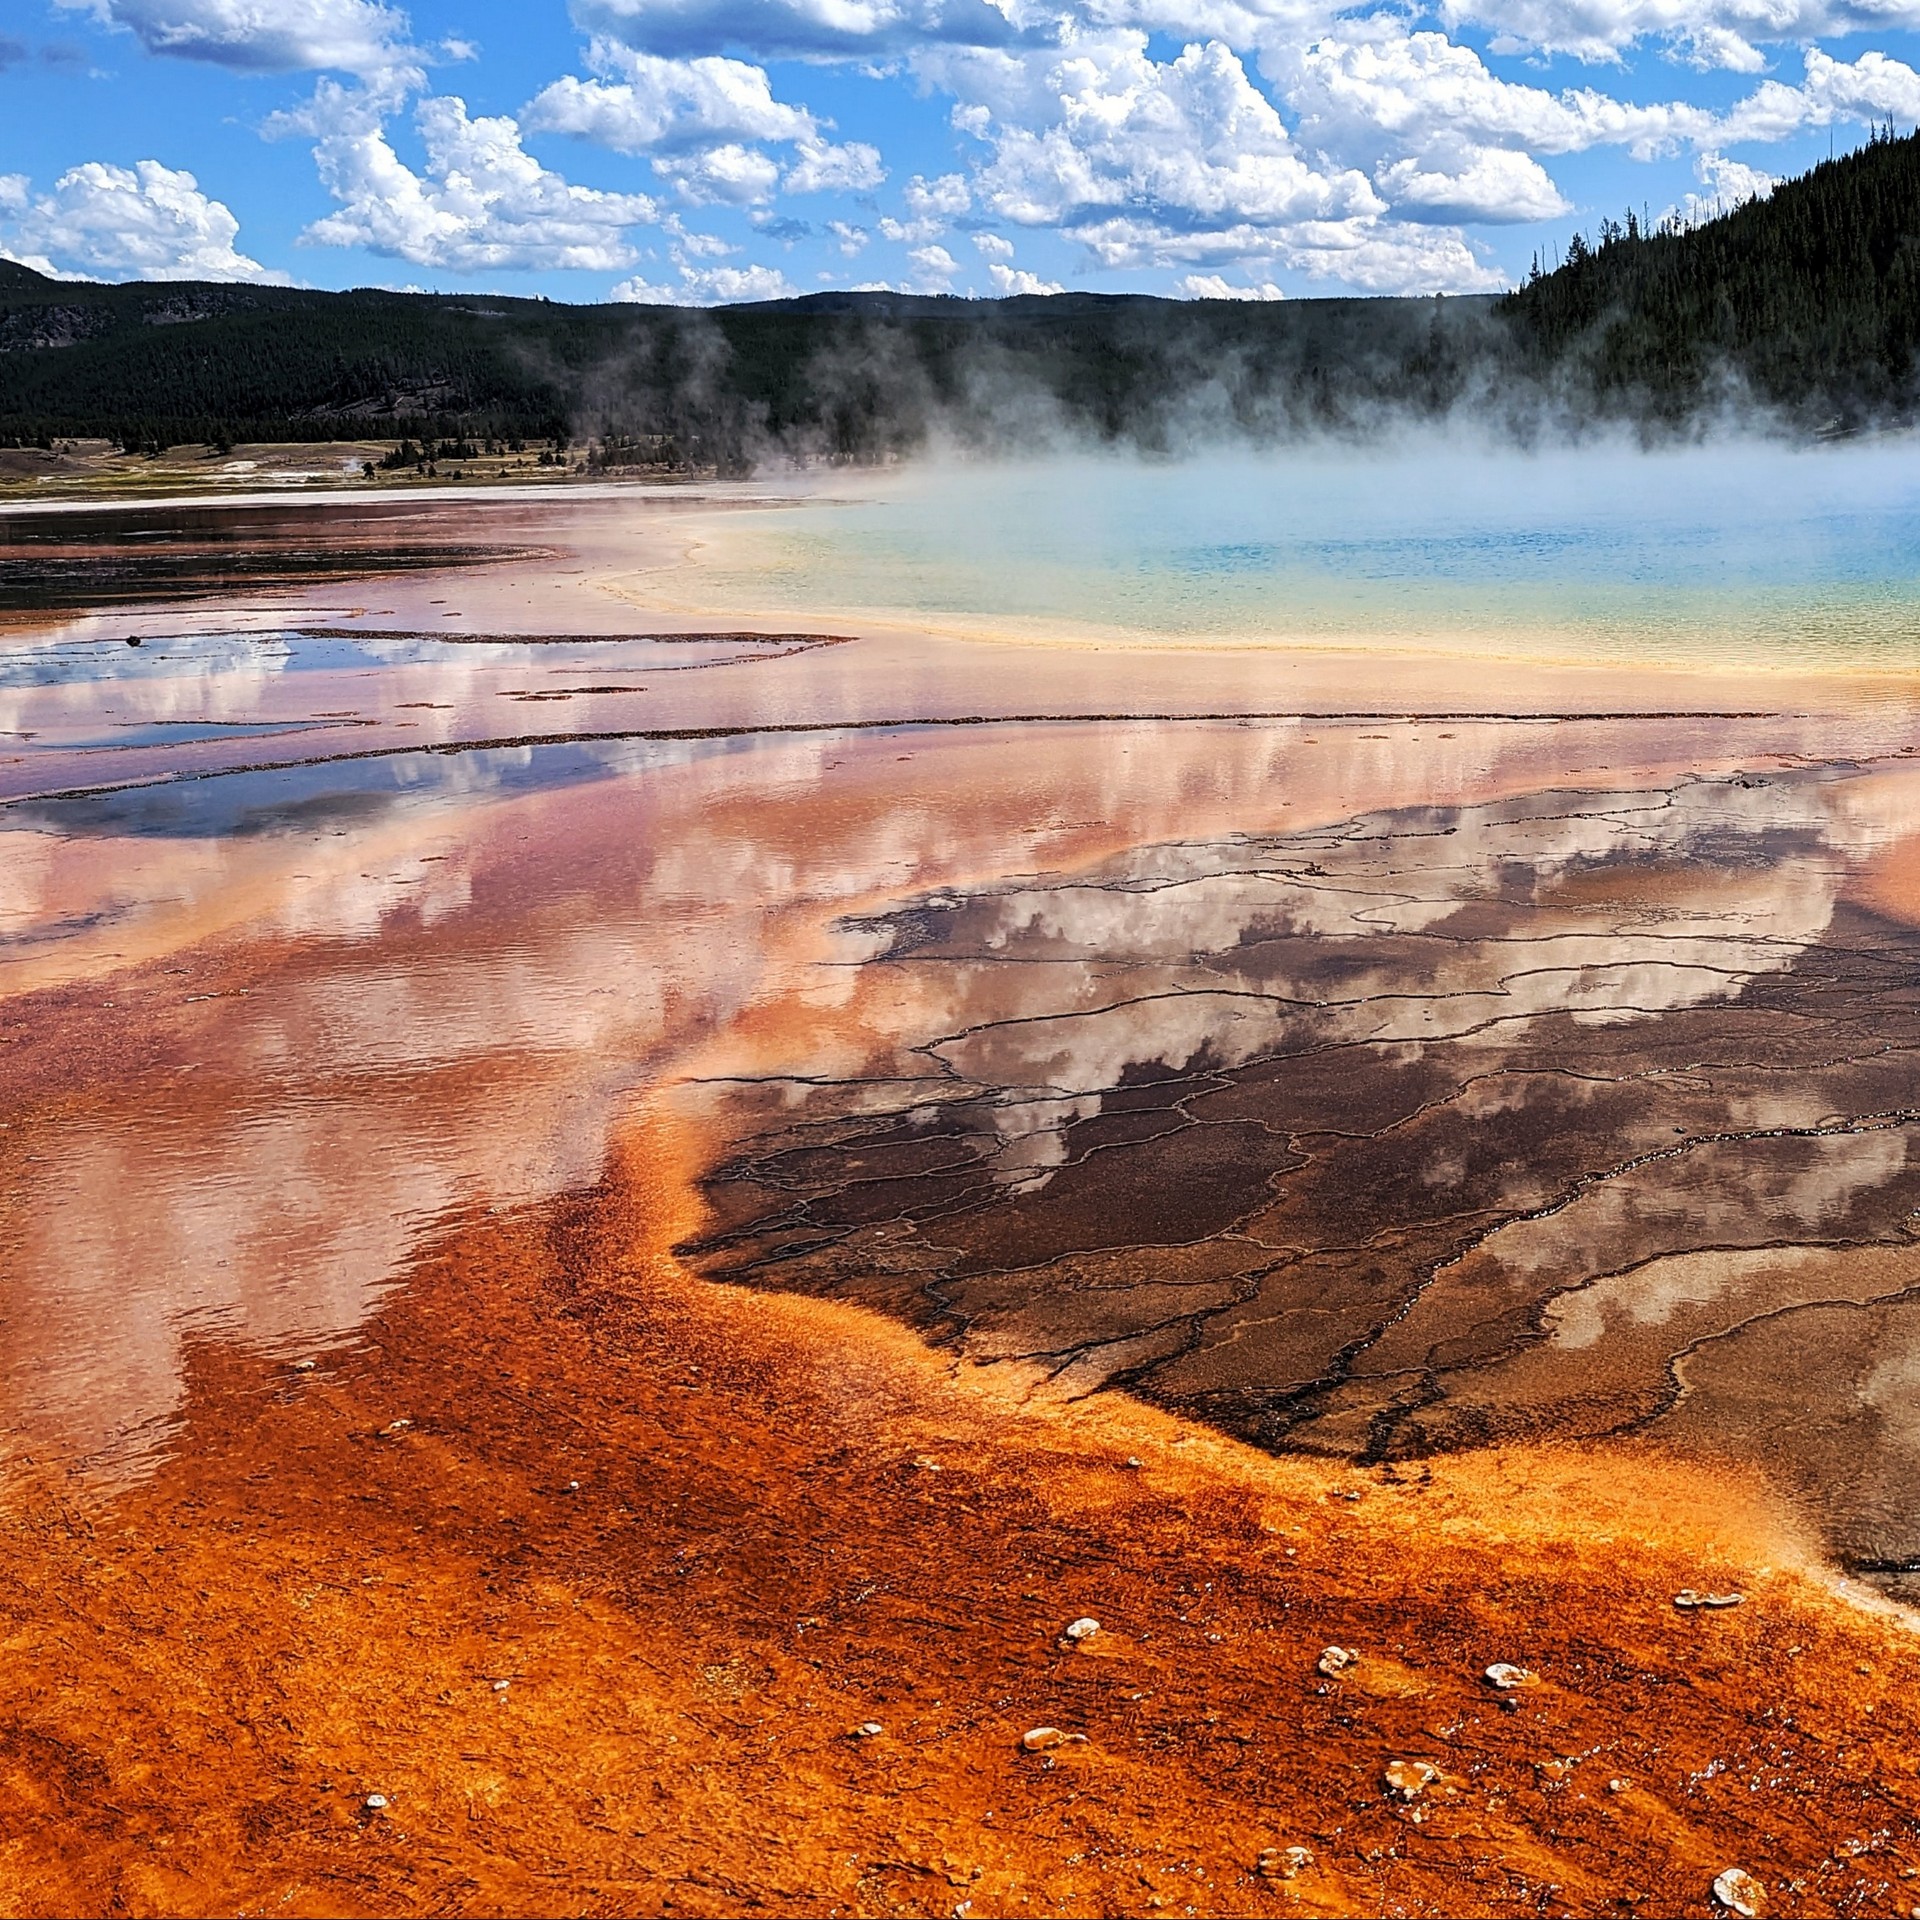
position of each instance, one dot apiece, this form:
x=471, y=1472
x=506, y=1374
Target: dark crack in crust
x=1574, y=1115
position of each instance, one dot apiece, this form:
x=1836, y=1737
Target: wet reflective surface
x=97, y=711
x=1503, y=1063
x=266, y=1032
x=1583, y=1112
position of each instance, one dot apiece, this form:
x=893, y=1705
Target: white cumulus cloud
x=933, y=269
x=1100, y=126
x=1158, y=165
x=1216, y=286
x=704, y=124
x=483, y=201
x=997, y=250
x=1370, y=254
x=709, y=287
x=1012, y=280
x=1489, y=184
x=803, y=29
x=1390, y=257
x=273, y=36
x=1728, y=184
x=1872, y=87
x=666, y=104
x=1374, y=86
x=1705, y=33
x=731, y=175
x=145, y=222
x=821, y=167
x=943, y=199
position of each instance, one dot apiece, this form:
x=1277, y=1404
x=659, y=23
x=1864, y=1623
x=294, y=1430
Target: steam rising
x=847, y=381
x=1755, y=553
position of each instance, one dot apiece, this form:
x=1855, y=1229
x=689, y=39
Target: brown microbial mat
x=81, y=559
x=1582, y=1113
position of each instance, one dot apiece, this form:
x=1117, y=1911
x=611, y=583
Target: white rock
x=1081, y=1629
x=1506, y=1677
x=867, y=1729
x=1040, y=1739
x=1739, y=1892
x=1409, y=1779
x=1338, y=1659
x=375, y=1803
x=1687, y=1599
x=1282, y=1863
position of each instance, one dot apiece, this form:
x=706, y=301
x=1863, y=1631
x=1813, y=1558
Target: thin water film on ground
x=1581, y=1113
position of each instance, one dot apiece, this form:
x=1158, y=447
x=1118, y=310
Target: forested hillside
x=1807, y=302
x=843, y=376
x=1810, y=300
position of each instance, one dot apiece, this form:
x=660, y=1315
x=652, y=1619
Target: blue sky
x=712, y=150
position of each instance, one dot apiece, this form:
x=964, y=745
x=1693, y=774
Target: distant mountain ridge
x=850, y=376
x=1807, y=303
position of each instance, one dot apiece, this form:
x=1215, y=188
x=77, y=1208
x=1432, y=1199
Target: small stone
x=926, y=1463
x=573, y=1486
x=1337, y=1659
x=1282, y=1863
x=1687, y=1599
x=375, y=1803
x=867, y=1729
x=1043, y=1739
x=304, y=1366
x=396, y=1426
x=1618, y=1786
x=1739, y=1892
x=1134, y=1460
x=1506, y=1677
x=500, y=1686
x=1409, y=1779
x=1081, y=1629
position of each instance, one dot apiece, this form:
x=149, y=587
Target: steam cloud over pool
x=1730, y=553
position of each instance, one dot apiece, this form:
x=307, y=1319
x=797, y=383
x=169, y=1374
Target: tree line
x=1807, y=302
